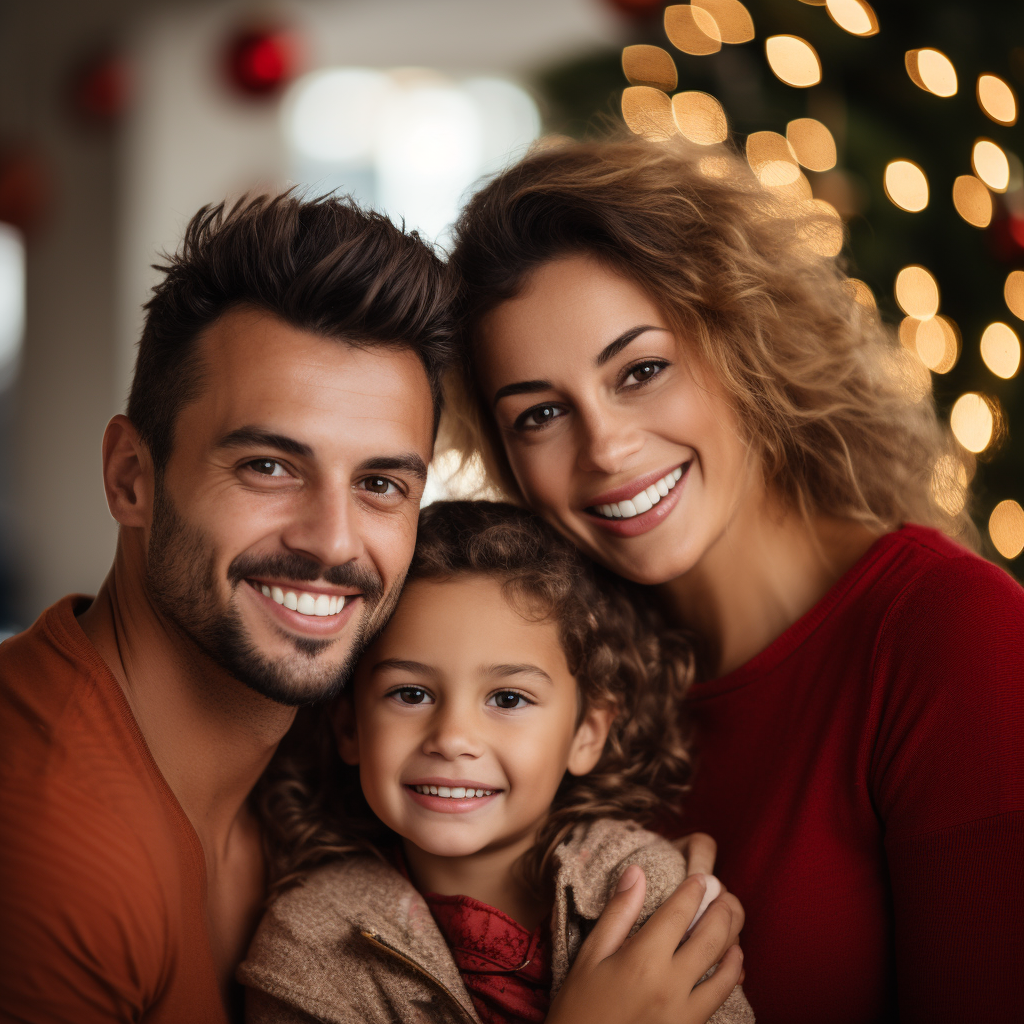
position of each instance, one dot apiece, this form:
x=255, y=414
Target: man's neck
x=767, y=570
x=209, y=734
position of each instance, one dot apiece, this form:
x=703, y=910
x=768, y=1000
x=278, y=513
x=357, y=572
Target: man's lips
x=307, y=608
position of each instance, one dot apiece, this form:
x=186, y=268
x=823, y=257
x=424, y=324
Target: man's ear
x=343, y=722
x=128, y=476
x=588, y=743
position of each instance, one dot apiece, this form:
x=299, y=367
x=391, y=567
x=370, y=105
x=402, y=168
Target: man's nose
x=326, y=526
x=452, y=733
x=607, y=438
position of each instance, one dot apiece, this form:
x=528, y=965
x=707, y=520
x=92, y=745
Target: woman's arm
x=649, y=978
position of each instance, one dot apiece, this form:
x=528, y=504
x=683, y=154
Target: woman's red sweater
x=864, y=779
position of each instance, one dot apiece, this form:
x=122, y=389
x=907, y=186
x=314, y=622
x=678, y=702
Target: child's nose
x=453, y=735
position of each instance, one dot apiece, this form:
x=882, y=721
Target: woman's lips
x=638, y=524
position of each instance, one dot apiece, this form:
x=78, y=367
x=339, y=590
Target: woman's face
x=614, y=433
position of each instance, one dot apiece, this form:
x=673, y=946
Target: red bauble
x=638, y=10
x=100, y=88
x=24, y=187
x=1006, y=239
x=261, y=61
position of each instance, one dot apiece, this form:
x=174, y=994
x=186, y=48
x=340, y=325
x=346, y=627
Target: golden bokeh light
x=651, y=66
x=772, y=159
x=793, y=60
x=855, y=16
x=648, y=112
x=715, y=166
x=949, y=484
x=906, y=185
x=812, y=143
x=972, y=200
x=907, y=372
x=937, y=343
x=822, y=228
x=862, y=294
x=1013, y=292
x=1006, y=528
x=692, y=30
x=990, y=164
x=735, y=24
x=972, y=422
x=932, y=71
x=997, y=99
x=917, y=292
x=700, y=118
x=1000, y=349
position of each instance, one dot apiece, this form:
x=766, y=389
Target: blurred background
x=119, y=118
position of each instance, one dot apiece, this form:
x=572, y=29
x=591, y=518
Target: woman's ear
x=343, y=722
x=588, y=743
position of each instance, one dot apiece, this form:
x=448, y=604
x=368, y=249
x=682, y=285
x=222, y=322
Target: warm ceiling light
x=932, y=71
x=648, y=112
x=862, y=293
x=1000, y=349
x=937, y=343
x=692, y=29
x=949, y=484
x=972, y=200
x=812, y=143
x=906, y=185
x=855, y=16
x=700, y=118
x=651, y=66
x=733, y=19
x=917, y=292
x=1006, y=528
x=990, y=164
x=793, y=60
x=972, y=422
x=1013, y=292
x=997, y=99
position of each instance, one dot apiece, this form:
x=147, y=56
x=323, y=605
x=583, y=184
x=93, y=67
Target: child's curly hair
x=620, y=652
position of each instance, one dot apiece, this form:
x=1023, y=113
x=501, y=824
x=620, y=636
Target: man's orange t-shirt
x=102, y=878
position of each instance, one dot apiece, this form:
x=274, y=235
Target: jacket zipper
x=422, y=971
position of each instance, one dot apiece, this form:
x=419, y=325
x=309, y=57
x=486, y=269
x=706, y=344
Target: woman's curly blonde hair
x=840, y=416
x=622, y=655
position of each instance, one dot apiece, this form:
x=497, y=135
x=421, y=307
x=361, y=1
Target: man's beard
x=181, y=578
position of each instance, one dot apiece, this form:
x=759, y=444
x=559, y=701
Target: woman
x=660, y=364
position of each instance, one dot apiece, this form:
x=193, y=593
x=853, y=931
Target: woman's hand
x=646, y=979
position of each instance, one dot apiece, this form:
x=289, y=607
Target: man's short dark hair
x=324, y=266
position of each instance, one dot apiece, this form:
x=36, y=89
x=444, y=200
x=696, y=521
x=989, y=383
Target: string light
x=917, y=292
x=692, y=29
x=972, y=200
x=997, y=99
x=949, y=484
x=734, y=22
x=990, y=164
x=932, y=71
x=715, y=166
x=1000, y=350
x=821, y=230
x=700, y=118
x=793, y=60
x=1006, y=528
x=972, y=422
x=651, y=66
x=862, y=294
x=855, y=16
x=906, y=185
x=937, y=343
x=648, y=112
x=812, y=143
x=1013, y=293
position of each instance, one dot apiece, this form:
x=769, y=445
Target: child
x=507, y=729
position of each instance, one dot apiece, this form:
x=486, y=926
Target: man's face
x=285, y=519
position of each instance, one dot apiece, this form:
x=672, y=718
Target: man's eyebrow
x=417, y=668
x=254, y=437
x=504, y=671
x=410, y=463
x=614, y=348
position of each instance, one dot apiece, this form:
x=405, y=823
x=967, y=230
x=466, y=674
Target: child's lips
x=458, y=800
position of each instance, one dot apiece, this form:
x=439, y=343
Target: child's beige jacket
x=356, y=944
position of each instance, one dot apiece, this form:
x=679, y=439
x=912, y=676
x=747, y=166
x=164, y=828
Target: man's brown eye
x=377, y=484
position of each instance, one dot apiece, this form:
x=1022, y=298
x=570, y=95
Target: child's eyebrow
x=514, y=670
x=415, y=667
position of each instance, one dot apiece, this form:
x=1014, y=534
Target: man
x=266, y=480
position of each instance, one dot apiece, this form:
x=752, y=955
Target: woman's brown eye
x=644, y=371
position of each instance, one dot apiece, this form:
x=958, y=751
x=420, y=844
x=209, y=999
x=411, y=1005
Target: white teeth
x=645, y=500
x=433, y=790
x=453, y=792
x=290, y=601
x=458, y=792
x=443, y=791
x=306, y=604
x=266, y=590
x=322, y=605
x=277, y=594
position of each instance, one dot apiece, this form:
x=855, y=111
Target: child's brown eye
x=508, y=700
x=412, y=696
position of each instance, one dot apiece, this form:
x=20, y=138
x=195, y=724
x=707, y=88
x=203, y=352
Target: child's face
x=461, y=692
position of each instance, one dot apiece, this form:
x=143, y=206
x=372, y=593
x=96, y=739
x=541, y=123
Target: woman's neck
x=489, y=876
x=767, y=569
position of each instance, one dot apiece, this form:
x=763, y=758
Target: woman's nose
x=607, y=440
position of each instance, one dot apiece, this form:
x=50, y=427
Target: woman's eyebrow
x=523, y=387
x=614, y=348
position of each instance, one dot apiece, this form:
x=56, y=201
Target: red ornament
x=100, y=88
x=24, y=187
x=1006, y=239
x=638, y=10
x=261, y=61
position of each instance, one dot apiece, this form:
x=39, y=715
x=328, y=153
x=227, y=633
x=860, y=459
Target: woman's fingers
x=616, y=920
x=700, y=851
